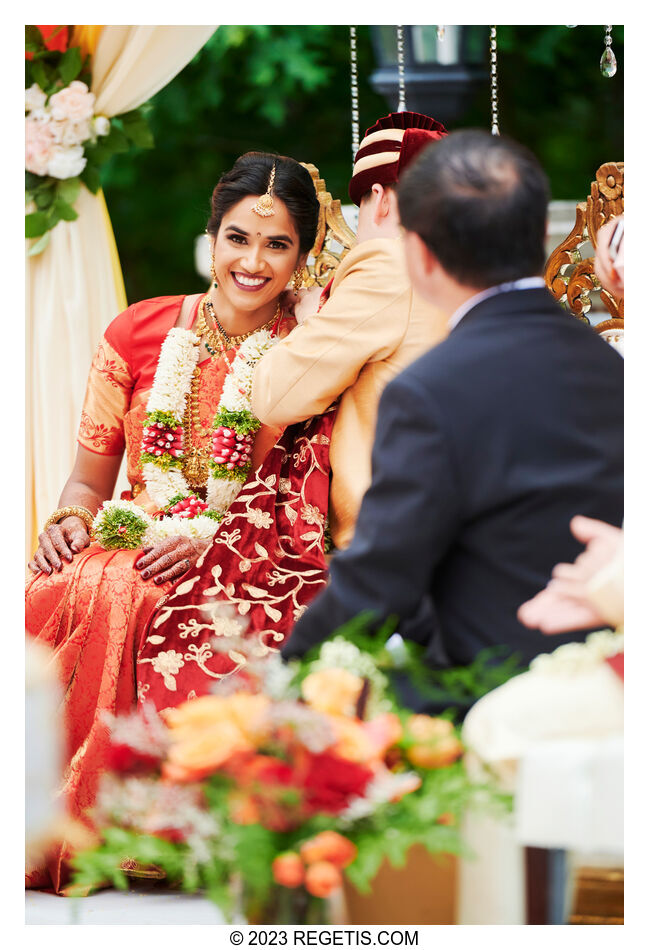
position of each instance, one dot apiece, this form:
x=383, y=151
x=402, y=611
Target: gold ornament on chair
x=264, y=205
x=298, y=279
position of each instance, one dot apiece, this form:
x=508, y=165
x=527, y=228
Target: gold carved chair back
x=571, y=277
x=334, y=237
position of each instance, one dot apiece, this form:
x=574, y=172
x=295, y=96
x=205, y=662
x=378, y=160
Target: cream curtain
x=75, y=288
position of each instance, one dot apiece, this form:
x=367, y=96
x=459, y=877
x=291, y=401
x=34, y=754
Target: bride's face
x=254, y=257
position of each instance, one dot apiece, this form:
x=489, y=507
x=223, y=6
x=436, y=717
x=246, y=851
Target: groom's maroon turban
x=388, y=147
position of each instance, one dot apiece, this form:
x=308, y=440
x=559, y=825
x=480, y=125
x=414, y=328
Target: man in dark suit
x=489, y=443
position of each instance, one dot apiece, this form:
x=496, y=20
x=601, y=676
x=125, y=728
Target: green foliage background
x=286, y=89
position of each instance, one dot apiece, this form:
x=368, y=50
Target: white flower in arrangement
x=385, y=787
x=74, y=102
x=570, y=658
x=100, y=125
x=66, y=162
x=71, y=133
x=39, y=145
x=35, y=98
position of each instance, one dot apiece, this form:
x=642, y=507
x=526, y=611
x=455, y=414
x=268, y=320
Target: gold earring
x=213, y=271
x=298, y=279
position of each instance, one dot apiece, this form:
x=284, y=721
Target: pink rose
x=75, y=103
x=39, y=143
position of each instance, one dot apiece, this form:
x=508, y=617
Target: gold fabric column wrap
x=75, y=288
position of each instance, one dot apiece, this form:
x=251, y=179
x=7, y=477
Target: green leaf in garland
x=33, y=39
x=91, y=179
x=36, y=224
x=68, y=190
x=64, y=211
x=70, y=65
x=39, y=246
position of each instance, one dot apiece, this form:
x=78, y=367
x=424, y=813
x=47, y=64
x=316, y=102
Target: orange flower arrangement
x=279, y=779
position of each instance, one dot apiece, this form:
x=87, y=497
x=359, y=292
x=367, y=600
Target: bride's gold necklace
x=196, y=461
x=216, y=338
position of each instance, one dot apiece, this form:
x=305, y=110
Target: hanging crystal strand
x=354, y=91
x=494, y=82
x=401, y=69
x=608, y=62
x=441, y=33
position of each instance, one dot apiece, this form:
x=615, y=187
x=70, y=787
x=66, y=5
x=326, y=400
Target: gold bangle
x=77, y=510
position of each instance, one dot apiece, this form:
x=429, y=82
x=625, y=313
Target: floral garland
x=126, y=525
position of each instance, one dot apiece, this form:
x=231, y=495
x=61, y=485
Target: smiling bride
x=170, y=386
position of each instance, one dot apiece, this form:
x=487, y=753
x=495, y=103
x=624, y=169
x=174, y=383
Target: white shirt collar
x=525, y=283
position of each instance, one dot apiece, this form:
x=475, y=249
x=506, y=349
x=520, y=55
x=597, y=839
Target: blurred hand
x=62, y=540
x=307, y=303
x=610, y=273
x=566, y=603
x=169, y=559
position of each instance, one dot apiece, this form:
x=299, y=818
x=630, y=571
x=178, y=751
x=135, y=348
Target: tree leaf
x=39, y=245
x=36, y=224
x=68, y=190
x=70, y=65
x=137, y=129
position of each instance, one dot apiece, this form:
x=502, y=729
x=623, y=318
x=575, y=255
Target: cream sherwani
x=371, y=327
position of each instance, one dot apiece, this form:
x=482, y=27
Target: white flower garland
x=163, y=449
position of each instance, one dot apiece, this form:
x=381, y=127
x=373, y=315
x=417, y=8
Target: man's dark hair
x=479, y=202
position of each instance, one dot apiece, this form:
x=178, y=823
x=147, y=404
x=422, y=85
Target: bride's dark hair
x=293, y=185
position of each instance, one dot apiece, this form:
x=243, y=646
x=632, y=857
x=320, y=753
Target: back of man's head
x=479, y=203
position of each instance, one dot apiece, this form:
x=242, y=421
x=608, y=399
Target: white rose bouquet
x=66, y=142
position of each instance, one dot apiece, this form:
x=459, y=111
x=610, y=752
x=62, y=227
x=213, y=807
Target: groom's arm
x=407, y=519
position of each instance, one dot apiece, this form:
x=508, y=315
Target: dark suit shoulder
x=510, y=330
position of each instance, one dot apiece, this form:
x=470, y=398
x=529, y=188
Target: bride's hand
x=62, y=540
x=169, y=559
x=308, y=303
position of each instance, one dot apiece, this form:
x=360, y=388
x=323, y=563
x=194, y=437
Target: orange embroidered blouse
x=120, y=379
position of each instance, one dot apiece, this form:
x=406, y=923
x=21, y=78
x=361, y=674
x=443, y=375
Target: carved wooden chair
x=569, y=276
x=334, y=237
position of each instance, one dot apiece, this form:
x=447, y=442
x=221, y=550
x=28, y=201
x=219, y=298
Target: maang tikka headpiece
x=264, y=205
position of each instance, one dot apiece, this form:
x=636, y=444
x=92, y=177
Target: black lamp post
x=441, y=72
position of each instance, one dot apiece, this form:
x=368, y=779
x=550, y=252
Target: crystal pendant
x=608, y=63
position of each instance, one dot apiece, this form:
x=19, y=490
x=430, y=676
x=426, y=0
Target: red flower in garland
x=331, y=782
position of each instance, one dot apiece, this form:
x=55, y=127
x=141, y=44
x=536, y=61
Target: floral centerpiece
x=267, y=791
x=66, y=141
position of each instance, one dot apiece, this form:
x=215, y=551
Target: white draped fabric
x=74, y=288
